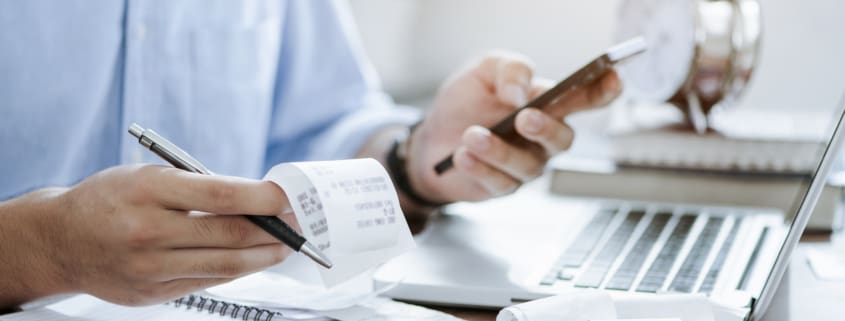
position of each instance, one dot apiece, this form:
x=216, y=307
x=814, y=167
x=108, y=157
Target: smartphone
x=586, y=75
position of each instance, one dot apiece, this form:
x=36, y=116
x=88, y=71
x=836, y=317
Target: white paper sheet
x=347, y=302
x=587, y=305
x=828, y=264
x=686, y=307
x=573, y=306
x=347, y=208
x=649, y=319
x=275, y=291
x=384, y=309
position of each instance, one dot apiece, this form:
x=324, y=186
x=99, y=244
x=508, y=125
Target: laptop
x=534, y=244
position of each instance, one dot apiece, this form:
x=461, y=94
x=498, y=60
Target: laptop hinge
x=751, y=304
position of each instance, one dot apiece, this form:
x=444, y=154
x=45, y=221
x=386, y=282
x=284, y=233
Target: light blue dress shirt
x=241, y=85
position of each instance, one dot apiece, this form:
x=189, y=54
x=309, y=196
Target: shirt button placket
x=135, y=32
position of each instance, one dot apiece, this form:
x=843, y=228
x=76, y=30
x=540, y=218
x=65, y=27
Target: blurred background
x=415, y=44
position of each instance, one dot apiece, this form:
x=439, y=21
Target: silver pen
x=271, y=224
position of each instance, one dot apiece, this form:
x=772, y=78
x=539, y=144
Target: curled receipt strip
x=348, y=209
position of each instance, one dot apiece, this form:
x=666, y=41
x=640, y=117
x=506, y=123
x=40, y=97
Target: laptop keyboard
x=713, y=273
x=601, y=264
x=624, y=277
x=613, y=256
x=577, y=253
x=688, y=274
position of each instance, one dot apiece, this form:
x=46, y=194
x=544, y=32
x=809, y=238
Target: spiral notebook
x=205, y=308
x=191, y=307
x=212, y=306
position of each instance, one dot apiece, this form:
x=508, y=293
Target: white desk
x=810, y=298
x=801, y=296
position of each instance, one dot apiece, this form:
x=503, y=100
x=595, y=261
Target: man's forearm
x=27, y=272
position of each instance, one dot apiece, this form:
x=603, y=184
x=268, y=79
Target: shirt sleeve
x=328, y=99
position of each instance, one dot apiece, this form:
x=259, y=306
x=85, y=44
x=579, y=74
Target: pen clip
x=155, y=142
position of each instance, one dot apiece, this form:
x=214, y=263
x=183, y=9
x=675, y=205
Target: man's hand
x=477, y=98
x=138, y=235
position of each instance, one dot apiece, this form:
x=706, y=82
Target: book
x=740, y=141
x=670, y=148
x=605, y=179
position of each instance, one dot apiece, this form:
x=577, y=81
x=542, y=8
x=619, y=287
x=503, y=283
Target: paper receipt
x=347, y=208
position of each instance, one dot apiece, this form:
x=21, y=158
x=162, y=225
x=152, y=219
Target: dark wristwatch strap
x=398, y=169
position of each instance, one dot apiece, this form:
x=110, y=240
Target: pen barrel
x=444, y=164
x=279, y=230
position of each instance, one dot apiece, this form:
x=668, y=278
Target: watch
x=701, y=52
x=398, y=168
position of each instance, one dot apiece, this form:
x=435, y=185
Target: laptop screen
x=817, y=196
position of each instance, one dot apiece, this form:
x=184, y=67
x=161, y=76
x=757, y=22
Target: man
x=242, y=86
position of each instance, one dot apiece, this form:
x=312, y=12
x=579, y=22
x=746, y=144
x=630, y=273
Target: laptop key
x=659, y=270
x=577, y=252
x=583, y=245
x=627, y=272
x=691, y=268
x=597, y=270
x=566, y=274
x=713, y=273
x=548, y=280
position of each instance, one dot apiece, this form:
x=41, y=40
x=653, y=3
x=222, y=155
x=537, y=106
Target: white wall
x=416, y=43
x=803, y=58
x=435, y=37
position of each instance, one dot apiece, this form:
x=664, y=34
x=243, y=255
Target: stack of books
x=672, y=165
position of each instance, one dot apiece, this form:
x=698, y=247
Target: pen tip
x=315, y=254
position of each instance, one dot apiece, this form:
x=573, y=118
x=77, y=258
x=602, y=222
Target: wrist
x=397, y=162
x=421, y=175
x=380, y=146
x=27, y=231
x=401, y=167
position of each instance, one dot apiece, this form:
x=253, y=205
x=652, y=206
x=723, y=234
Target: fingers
x=219, y=231
x=491, y=180
x=182, y=190
x=214, y=231
x=537, y=126
x=521, y=164
x=508, y=75
x=181, y=287
x=222, y=263
x=598, y=94
x=498, y=167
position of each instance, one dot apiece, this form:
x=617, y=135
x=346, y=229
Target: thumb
x=513, y=82
x=509, y=75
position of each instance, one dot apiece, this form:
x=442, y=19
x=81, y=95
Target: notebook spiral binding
x=223, y=308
